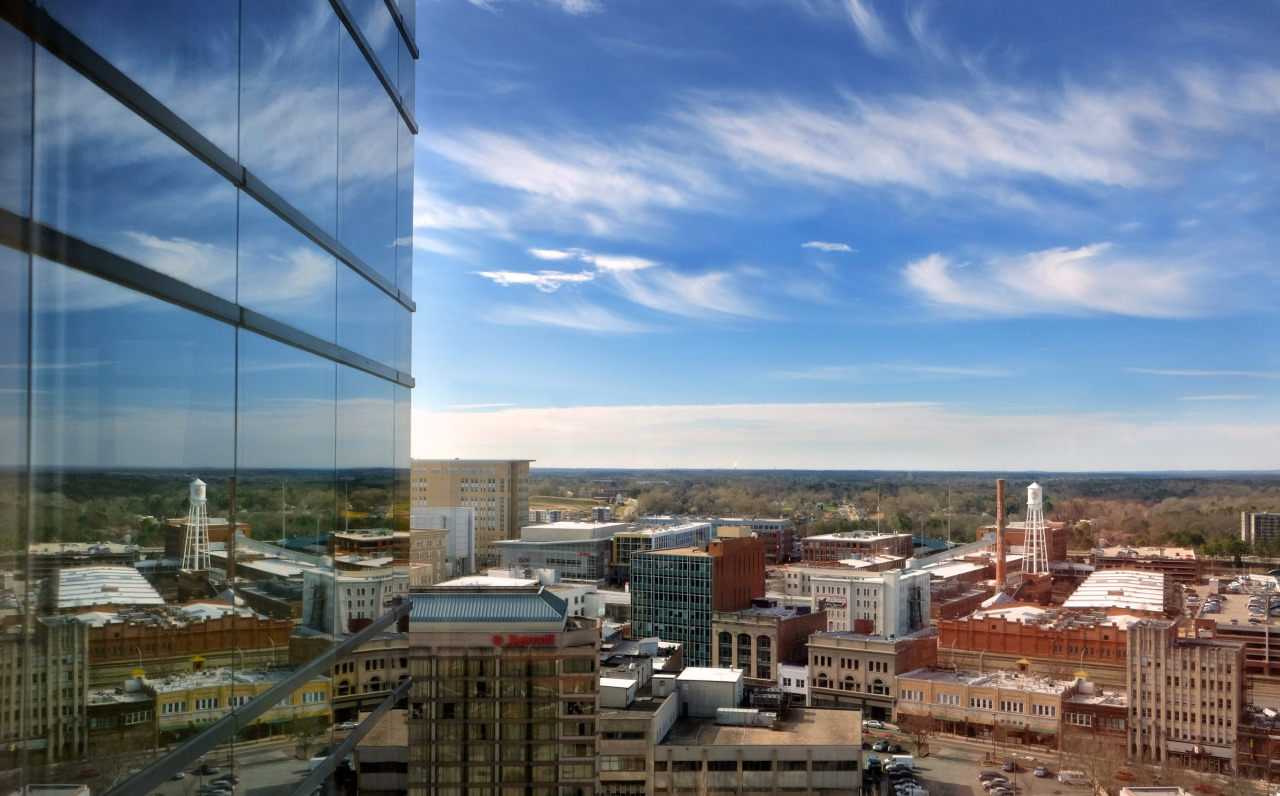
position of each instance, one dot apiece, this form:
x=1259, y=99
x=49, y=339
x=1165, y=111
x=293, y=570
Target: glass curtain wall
x=205, y=306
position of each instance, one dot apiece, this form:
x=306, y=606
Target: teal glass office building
x=205, y=271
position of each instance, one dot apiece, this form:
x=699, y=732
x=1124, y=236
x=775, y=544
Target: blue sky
x=848, y=234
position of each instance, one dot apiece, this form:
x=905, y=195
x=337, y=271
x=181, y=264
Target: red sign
x=514, y=640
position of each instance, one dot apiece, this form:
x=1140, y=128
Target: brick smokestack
x=1001, y=521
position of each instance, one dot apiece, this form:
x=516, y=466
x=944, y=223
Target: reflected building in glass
x=205, y=272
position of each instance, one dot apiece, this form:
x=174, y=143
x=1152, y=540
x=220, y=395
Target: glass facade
x=205, y=274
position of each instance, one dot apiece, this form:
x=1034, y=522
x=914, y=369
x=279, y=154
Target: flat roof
x=1120, y=588
x=854, y=536
x=391, y=730
x=218, y=677
x=706, y=674
x=486, y=580
x=616, y=682
x=803, y=727
x=1126, y=551
x=1001, y=679
x=86, y=586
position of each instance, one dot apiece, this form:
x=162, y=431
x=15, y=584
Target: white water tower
x=1036, y=544
x=195, y=543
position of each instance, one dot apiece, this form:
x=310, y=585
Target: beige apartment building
x=497, y=490
x=1015, y=707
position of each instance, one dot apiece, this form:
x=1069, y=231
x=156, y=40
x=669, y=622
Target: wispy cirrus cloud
x=869, y=26
x=827, y=247
x=639, y=280
x=1091, y=279
x=990, y=139
x=576, y=315
x=1248, y=374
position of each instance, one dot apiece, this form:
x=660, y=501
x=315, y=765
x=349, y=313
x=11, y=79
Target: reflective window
x=366, y=445
x=107, y=177
x=289, y=103
x=283, y=274
x=15, y=121
x=407, y=82
x=110, y=390
x=374, y=20
x=404, y=210
x=286, y=407
x=13, y=393
x=367, y=163
x=366, y=317
x=186, y=55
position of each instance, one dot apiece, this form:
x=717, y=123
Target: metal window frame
x=389, y=85
x=156, y=774
x=32, y=237
x=43, y=29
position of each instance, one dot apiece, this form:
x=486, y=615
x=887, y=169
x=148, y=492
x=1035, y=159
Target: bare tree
x=919, y=729
x=306, y=731
x=1098, y=761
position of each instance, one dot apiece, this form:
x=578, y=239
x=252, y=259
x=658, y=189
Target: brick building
x=847, y=670
x=1057, y=642
x=832, y=547
x=1178, y=564
x=759, y=638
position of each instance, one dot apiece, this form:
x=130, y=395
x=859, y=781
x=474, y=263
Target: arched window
x=764, y=658
x=848, y=683
x=725, y=657
x=344, y=687
x=822, y=681
x=878, y=686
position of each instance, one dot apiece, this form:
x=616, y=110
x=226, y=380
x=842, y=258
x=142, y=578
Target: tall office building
x=505, y=695
x=205, y=271
x=1259, y=527
x=497, y=490
x=674, y=593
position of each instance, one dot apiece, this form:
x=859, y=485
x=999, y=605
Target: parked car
x=1073, y=778
x=1003, y=792
x=209, y=768
x=1123, y=775
x=986, y=775
x=992, y=784
x=1041, y=772
x=1012, y=765
x=347, y=725
x=872, y=724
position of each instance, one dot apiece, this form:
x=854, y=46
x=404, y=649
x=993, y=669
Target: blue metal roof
x=490, y=606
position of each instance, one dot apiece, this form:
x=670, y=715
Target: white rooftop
x=85, y=586
x=1009, y=680
x=1120, y=588
x=705, y=674
x=854, y=536
x=615, y=682
x=487, y=580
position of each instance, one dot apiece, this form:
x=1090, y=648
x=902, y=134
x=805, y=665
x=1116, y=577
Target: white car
x=872, y=724
x=347, y=725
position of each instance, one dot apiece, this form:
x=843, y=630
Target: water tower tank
x=197, y=490
x=1035, y=494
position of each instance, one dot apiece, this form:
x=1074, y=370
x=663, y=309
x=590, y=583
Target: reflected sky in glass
x=15, y=121
x=404, y=210
x=366, y=421
x=283, y=274
x=185, y=55
x=107, y=177
x=379, y=29
x=289, y=103
x=286, y=406
x=367, y=163
x=366, y=317
x=124, y=380
x=13, y=360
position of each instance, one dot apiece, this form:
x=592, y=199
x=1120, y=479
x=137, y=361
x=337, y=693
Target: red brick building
x=759, y=638
x=833, y=547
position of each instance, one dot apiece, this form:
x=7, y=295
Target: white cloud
x=613, y=264
x=469, y=407
x=869, y=26
x=577, y=6
x=1217, y=397
x=430, y=211
x=889, y=436
x=828, y=247
x=552, y=254
x=586, y=317
x=546, y=281
x=1250, y=374
x=1062, y=281
x=987, y=139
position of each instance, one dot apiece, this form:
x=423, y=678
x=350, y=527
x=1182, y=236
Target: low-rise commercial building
x=575, y=550
x=1008, y=707
x=187, y=703
x=1146, y=594
x=832, y=547
x=1178, y=564
x=852, y=671
x=890, y=603
x=642, y=538
x=758, y=639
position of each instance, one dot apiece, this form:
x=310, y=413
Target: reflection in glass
x=366, y=317
x=185, y=55
x=407, y=82
x=289, y=103
x=110, y=390
x=107, y=177
x=404, y=211
x=367, y=154
x=286, y=407
x=15, y=121
x=401, y=492
x=13, y=394
x=374, y=20
x=284, y=274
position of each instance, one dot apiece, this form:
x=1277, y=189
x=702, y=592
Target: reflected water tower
x=1037, y=547
x=195, y=544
